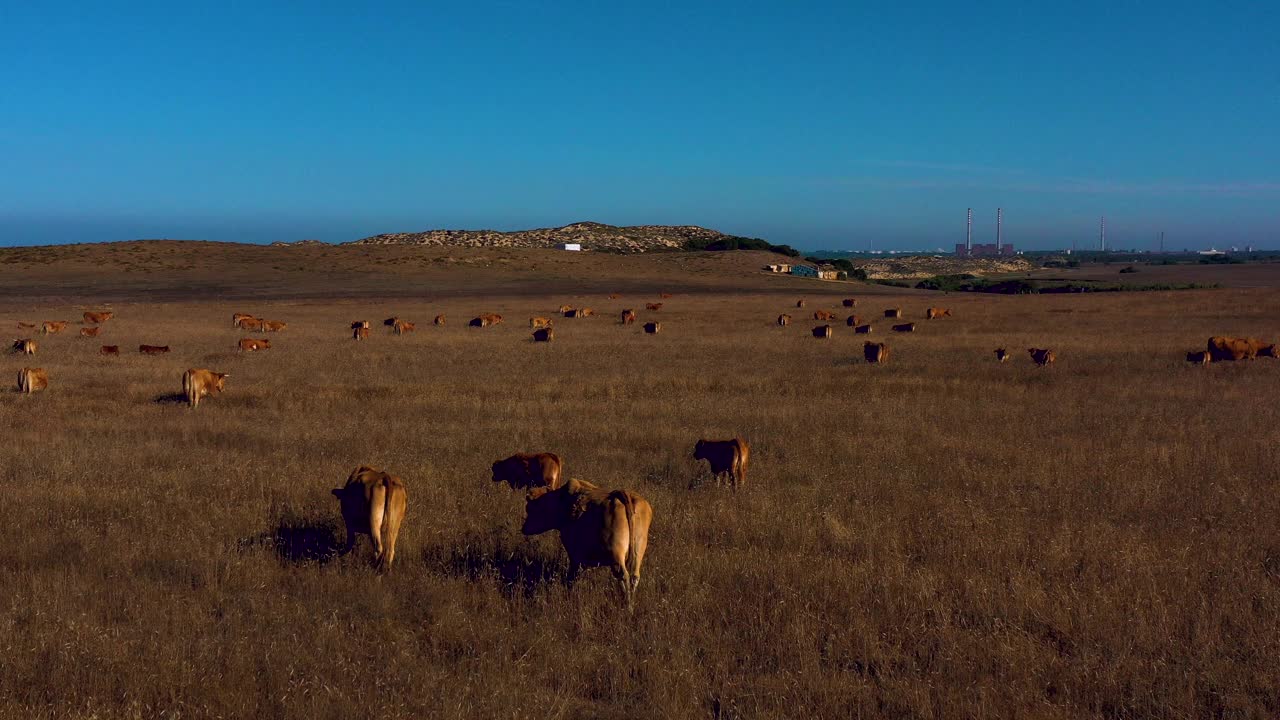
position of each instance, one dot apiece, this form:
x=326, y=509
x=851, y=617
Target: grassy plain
x=938, y=537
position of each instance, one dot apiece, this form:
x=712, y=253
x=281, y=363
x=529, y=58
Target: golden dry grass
x=938, y=537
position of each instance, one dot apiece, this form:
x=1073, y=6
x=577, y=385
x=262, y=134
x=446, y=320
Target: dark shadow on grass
x=301, y=541
x=517, y=565
x=171, y=399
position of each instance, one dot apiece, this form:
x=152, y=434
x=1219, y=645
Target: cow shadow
x=171, y=399
x=301, y=542
x=516, y=566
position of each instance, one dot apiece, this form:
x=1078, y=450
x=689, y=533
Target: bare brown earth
x=938, y=537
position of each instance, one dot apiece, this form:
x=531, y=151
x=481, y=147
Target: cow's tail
x=631, y=563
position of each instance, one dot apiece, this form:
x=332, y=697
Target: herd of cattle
x=597, y=527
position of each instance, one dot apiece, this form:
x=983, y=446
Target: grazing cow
x=1041, y=356
x=360, y=333
x=586, y=312
x=439, y=320
x=539, y=322
x=905, y=327
x=823, y=315
x=893, y=313
x=51, y=327
x=575, y=314
x=153, y=349
x=373, y=503
x=90, y=331
x=597, y=528
x=849, y=302
x=934, y=313
x=875, y=353
x=109, y=350
x=800, y=303
x=628, y=317
x=359, y=324
x=274, y=326
x=32, y=379
x=199, y=383
x=403, y=326
x=564, y=309
x=25, y=347
x=391, y=321
x=545, y=334
x=1199, y=358
x=98, y=317
x=653, y=307
x=862, y=329
x=853, y=321
x=784, y=319
x=822, y=331
x=26, y=325
x=726, y=457
x=492, y=318
x=528, y=470
x=652, y=328
x=1001, y=355
x=237, y=317
x=253, y=345
x=250, y=323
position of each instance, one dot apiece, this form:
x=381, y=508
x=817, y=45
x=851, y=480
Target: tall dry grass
x=938, y=537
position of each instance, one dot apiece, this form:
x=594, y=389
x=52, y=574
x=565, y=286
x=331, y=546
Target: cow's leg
x=389, y=540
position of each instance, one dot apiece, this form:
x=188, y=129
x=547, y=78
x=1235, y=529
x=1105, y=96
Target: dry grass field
x=938, y=537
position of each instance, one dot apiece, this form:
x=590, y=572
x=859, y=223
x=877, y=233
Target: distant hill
x=594, y=236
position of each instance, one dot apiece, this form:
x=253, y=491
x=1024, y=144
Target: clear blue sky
x=824, y=125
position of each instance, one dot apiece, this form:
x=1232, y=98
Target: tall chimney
x=1102, y=234
x=968, y=234
x=999, y=240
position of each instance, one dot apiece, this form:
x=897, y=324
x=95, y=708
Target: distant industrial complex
x=996, y=249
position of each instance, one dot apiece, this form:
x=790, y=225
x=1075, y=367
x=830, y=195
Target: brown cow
x=934, y=313
x=653, y=307
x=893, y=313
x=564, y=309
x=109, y=350
x=597, y=528
x=576, y=313
x=1041, y=356
x=875, y=353
x=26, y=325
x=391, y=321
x=50, y=327
x=628, y=317
x=853, y=321
x=198, y=383
x=24, y=347
x=373, y=503
x=32, y=379
x=274, y=326
x=862, y=329
x=1229, y=348
x=360, y=333
x=1199, y=358
x=237, y=317
x=586, y=312
x=153, y=349
x=439, y=319
x=359, y=324
x=98, y=317
x=492, y=318
x=849, y=302
x=726, y=457
x=800, y=303
x=403, y=326
x=784, y=319
x=545, y=334
x=529, y=470
x=250, y=323
x=822, y=315
x=1001, y=355
x=252, y=345
x=905, y=327
x=486, y=320
x=652, y=327
x=822, y=331
x=539, y=322
x=90, y=331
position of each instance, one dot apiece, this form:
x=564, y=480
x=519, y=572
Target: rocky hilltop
x=591, y=235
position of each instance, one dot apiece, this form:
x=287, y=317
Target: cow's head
x=501, y=470
x=700, y=450
x=220, y=381
x=265, y=343
x=1268, y=351
x=544, y=509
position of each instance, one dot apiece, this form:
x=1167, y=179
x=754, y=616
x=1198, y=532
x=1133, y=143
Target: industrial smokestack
x=999, y=240
x=1102, y=234
x=968, y=234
